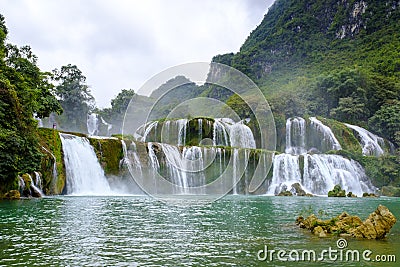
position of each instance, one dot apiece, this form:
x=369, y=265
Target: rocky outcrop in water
x=12, y=194
x=376, y=226
x=337, y=192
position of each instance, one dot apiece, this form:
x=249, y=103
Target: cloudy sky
x=119, y=44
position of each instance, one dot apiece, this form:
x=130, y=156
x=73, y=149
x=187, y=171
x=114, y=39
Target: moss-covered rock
x=285, y=193
x=109, y=152
x=12, y=194
x=376, y=226
x=52, y=164
x=337, y=192
x=26, y=190
x=369, y=195
x=343, y=134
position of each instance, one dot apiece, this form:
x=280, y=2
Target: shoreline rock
x=376, y=226
x=12, y=195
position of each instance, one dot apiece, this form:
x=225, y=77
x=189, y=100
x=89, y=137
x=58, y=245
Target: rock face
x=376, y=226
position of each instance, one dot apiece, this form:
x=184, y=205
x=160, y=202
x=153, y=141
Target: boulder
x=285, y=193
x=350, y=194
x=319, y=231
x=369, y=195
x=337, y=192
x=299, y=191
x=12, y=194
x=376, y=226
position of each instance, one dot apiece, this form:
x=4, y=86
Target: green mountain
x=337, y=59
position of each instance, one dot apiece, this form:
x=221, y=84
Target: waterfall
x=323, y=172
x=286, y=171
x=109, y=125
x=316, y=173
x=182, y=130
x=84, y=173
x=131, y=158
x=21, y=184
x=295, y=136
x=38, y=181
x=226, y=132
x=145, y=130
x=320, y=174
x=235, y=167
x=329, y=141
x=220, y=134
x=36, y=191
x=372, y=145
x=92, y=124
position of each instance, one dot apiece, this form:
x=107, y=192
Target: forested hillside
x=337, y=59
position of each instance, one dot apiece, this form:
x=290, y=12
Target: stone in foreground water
x=376, y=226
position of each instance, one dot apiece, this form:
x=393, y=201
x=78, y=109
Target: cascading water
x=38, y=181
x=226, y=132
x=36, y=191
x=84, y=173
x=286, y=171
x=295, y=136
x=92, y=124
x=328, y=141
x=182, y=130
x=323, y=172
x=316, y=173
x=372, y=145
x=109, y=125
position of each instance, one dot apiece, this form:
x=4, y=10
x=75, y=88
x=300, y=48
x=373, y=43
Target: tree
x=386, y=121
x=115, y=114
x=24, y=90
x=74, y=96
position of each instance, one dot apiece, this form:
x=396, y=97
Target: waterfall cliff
x=84, y=173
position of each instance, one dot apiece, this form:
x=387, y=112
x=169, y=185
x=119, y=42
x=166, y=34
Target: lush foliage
x=24, y=91
x=75, y=98
x=337, y=59
x=115, y=114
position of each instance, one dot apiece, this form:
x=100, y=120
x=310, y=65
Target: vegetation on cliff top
x=24, y=90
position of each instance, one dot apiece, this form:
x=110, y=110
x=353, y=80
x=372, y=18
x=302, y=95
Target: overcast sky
x=119, y=44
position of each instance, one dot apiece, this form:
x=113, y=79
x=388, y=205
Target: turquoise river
x=141, y=231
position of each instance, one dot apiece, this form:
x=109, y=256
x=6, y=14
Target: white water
x=323, y=172
x=226, y=132
x=21, y=183
x=182, y=130
x=84, y=173
x=328, y=138
x=295, y=136
x=109, y=125
x=34, y=184
x=372, y=145
x=286, y=171
x=320, y=172
x=92, y=124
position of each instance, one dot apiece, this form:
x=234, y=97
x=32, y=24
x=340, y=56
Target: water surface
x=141, y=231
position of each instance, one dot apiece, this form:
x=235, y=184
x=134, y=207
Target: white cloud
x=120, y=44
